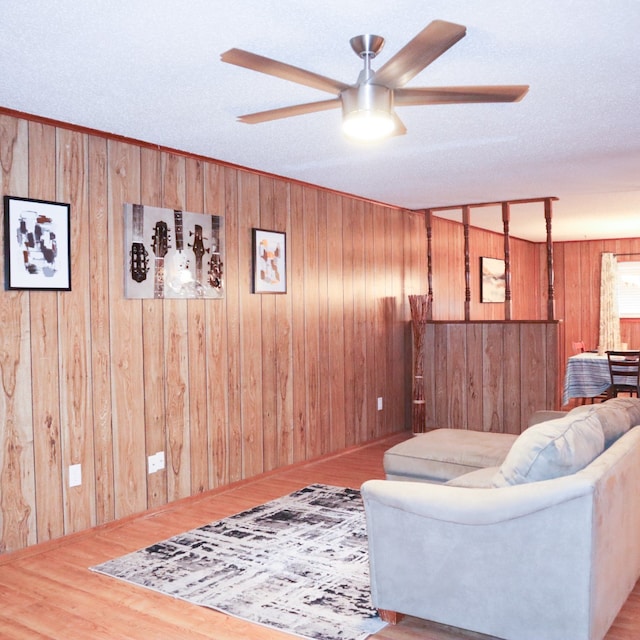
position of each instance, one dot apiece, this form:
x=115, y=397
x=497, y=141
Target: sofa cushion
x=630, y=405
x=442, y=454
x=478, y=479
x=615, y=420
x=552, y=449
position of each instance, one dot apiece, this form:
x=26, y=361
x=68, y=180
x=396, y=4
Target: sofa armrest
x=474, y=506
x=512, y=562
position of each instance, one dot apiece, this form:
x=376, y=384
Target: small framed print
x=269, y=261
x=37, y=244
x=492, y=280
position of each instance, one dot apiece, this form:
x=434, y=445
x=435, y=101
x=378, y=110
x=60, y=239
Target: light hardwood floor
x=47, y=591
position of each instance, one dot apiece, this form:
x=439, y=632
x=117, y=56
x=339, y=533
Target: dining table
x=586, y=376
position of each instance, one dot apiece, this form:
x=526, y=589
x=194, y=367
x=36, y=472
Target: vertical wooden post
x=467, y=278
x=506, y=216
x=551, y=305
x=428, y=224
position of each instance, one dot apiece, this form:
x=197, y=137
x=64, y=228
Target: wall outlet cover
x=75, y=475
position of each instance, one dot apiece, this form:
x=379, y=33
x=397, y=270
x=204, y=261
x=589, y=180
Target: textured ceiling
x=151, y=70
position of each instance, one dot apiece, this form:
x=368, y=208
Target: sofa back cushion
x=616, y=416
x=552, y=449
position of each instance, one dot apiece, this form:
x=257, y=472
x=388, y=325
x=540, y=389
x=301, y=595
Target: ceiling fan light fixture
x=367, y=112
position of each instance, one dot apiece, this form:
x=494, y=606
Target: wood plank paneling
x=474, y=376
x=153, y=345
x=493, y=377
x=324, y=363
x=225, y=388
x=234, y=282
x=268, y=330
x=348, y=292
x=297, y=287
x=333, y=341
x=250, y=334
x=176, y=353
x=17, y=481
x=490, y=376
x=99, y=341
x=512, y=379
x=283, y=336
x=534, y=359
x=126, y=329
x=216, y=344
x=45, y=355
x=312, y=304
x=360, y=327
x=196, y=346
x=76, y=398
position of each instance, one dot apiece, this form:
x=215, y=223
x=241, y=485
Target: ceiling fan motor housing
x=367, y=105
x=367, y=97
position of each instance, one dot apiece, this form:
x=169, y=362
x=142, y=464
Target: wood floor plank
x=48, y=592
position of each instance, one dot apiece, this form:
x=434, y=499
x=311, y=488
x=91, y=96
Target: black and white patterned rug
x=298, y=564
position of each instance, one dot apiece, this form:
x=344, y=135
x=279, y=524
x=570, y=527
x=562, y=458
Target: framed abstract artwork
x=269, y=261
x=37, y=243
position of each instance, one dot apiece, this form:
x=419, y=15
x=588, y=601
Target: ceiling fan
x=368, y=105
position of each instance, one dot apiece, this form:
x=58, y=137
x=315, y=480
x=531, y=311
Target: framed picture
x=492, y=280
x=37, y=244
x=170, y=253
x=269, y=261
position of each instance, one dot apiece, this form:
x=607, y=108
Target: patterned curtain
x=609, y=337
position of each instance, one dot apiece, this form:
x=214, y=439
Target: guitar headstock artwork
x=139, y=263
x=160, y=239
x=198, y=245
x=215, y=271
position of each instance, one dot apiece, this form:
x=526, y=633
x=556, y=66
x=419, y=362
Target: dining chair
x=624, y=369
x=578, y=347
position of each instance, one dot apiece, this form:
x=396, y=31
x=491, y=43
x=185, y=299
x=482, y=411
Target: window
x=629, y=289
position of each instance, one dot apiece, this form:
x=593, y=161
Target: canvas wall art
x=172, y=253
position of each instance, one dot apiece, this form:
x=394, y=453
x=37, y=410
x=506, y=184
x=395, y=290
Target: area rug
x=298, y=564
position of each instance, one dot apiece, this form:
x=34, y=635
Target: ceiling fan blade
x=282, y=70
x=459, y=95
x=288, y=112
x=429, y=44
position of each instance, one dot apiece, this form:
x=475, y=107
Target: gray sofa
x=544, y=545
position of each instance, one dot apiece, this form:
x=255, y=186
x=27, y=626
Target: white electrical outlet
x=75, y=475
x=155, y=462
x=380, y=404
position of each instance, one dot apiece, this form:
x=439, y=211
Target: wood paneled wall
x=577, y=268
x=490, y=376
x=528, y=273
x=226, y=388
